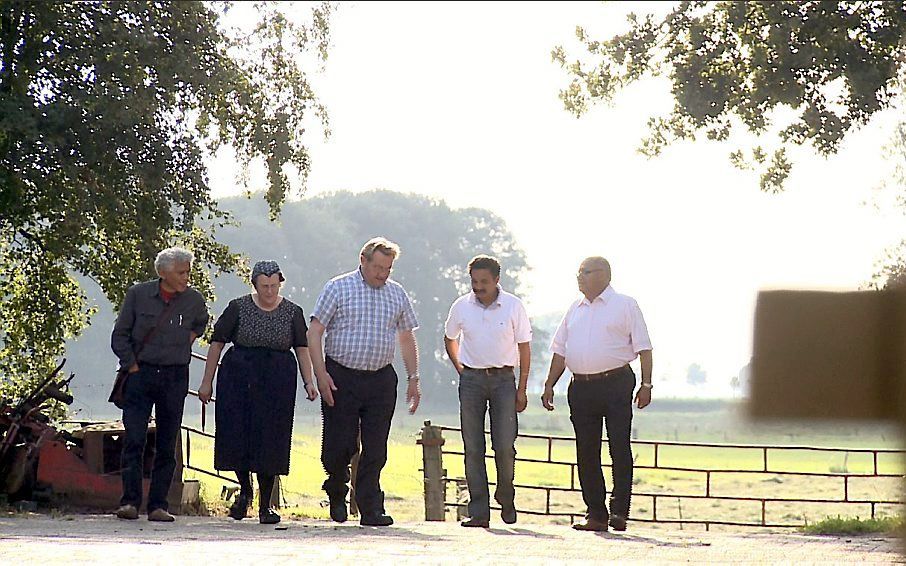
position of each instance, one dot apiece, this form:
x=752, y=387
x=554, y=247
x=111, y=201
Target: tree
x=736, y=65
x=107, y=113
x=320, y=237
x=695, y=375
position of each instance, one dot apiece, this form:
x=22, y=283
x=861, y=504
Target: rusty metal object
x=80, y=468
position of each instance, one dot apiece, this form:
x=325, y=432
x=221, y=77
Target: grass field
x=402, y=478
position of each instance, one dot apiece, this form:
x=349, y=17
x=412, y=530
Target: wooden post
x=431, y=438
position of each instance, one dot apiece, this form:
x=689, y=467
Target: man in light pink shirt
x=600, y=334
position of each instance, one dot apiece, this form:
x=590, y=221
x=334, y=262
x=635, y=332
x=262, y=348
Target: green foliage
x=321, y=237
x=853, y=526
x=833, y=64
x=107, y=113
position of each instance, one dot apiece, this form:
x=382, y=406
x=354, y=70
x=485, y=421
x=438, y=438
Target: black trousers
x=364, y=400
x=164, y=388
x=591, y=402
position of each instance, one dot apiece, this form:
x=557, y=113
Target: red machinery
x=39, y=462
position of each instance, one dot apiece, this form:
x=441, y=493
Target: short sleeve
x=558, y=344
x=225, y=327
x=522, y=326
x=407, y=319
x=453, y=325
x=326, y=305
x=300, y=340
x=638, y=330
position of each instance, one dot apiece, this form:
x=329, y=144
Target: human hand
x=643, y=397
x=521, y=401
x=326, y=387
x=413, y=395
x=205, y=391
x=547, y=398
x=311, y=391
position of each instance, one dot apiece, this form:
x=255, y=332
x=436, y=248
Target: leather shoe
x=472, y=522
x=508, y=514
x=240, y=507
x=589, y=524
x=161, y=515
x=127, y=512
x=338, y=512
x=617, y=522
x=268, y=517
x=376, y=520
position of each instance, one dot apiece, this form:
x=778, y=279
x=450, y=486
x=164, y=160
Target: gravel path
x=82, y=539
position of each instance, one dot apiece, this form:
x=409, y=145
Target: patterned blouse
x=244, y=324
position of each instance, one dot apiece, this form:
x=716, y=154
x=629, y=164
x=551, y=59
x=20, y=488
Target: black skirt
x=256, y=396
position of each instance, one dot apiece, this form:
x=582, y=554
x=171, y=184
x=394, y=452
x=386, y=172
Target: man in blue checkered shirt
x=363, y=314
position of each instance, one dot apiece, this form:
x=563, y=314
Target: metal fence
x=437, y=482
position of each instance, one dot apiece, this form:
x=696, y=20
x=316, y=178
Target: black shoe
x=480, y=523
x=240, y=507
x=590, y=524
x=508, y=514
x=338, y=512
x=376, y=520
x=617, y=522
x=268, y=517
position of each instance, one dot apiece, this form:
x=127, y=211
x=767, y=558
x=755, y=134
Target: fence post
x=431, y=439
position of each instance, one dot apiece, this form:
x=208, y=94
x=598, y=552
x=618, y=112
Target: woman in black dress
x=256, y=389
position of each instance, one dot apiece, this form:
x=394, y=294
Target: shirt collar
x=155, y=290
x=605, y=296
x=361, y=277
x=496, y=303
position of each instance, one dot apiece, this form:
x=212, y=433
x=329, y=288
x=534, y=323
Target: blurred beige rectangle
x=827, y=355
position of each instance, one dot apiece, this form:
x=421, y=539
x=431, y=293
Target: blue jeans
x=165, y=388
x=477, y=392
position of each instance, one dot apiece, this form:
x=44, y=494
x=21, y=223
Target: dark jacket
x=172, y=342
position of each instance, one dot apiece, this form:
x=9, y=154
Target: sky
x=459, y=101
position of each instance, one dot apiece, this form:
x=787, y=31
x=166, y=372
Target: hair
x=380, y=244
x=485, y=262
x=170, y=256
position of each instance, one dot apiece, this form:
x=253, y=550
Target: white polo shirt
x=603, y=334
x=489, y=336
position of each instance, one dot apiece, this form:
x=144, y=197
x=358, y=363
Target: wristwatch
x=647, y=385
x=411, y=377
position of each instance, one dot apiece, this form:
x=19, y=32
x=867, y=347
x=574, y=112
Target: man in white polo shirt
x=487, y=333
x=601, y=333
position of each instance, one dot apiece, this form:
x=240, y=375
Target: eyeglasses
x=587, y=272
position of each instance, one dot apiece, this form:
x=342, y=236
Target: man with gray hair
x=363, y=314
x=152, y=337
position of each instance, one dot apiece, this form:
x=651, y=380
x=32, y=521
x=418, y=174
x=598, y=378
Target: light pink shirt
x=604, y=334
x=489, y=336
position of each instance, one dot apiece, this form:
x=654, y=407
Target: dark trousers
x=164, y=388
x=608, y=399
x=477, y=393
x=364, y=400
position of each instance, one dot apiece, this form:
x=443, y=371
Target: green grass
x=403, y=486
x=853, y=526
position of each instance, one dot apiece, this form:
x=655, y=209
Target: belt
x=490, y=371
x=602, y=375
x=355, y=370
